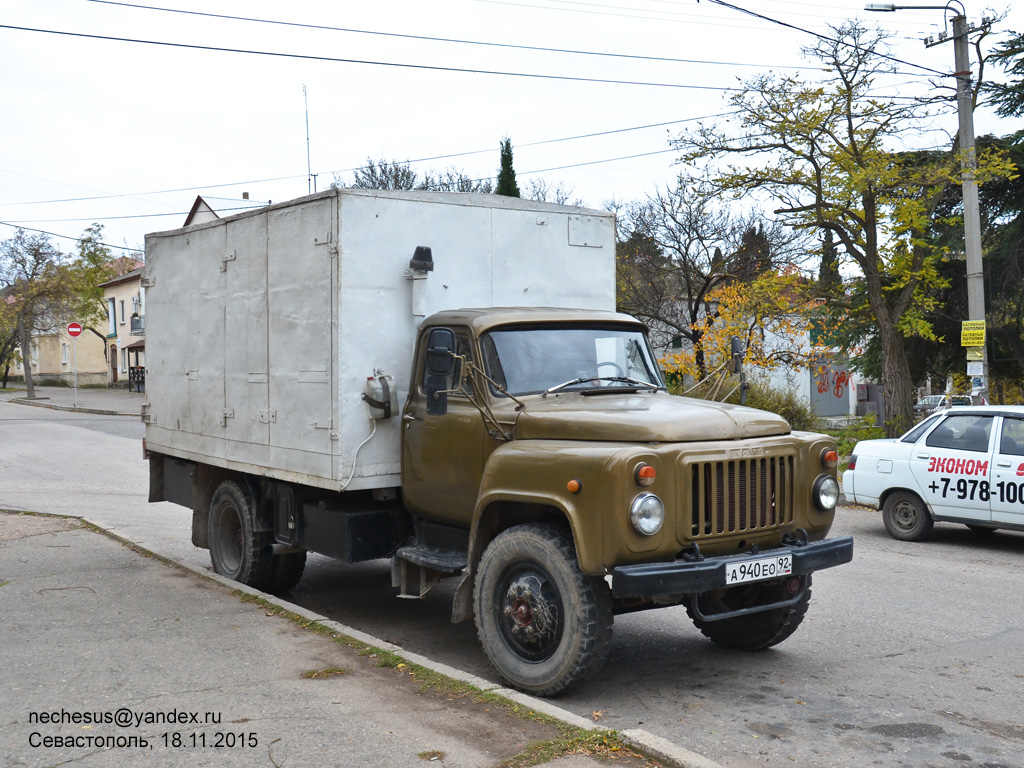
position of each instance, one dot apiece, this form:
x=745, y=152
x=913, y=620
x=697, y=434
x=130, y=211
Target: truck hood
x=651, y=417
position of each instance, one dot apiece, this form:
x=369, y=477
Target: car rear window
x=915, y=434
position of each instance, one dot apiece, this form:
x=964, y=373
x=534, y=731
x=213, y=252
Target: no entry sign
x=74, y=329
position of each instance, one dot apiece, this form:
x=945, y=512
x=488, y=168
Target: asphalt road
x=912, y=655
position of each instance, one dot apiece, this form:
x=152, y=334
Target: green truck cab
x=585, y=490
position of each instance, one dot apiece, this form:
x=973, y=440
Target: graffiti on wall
x=830, y=389
x=838, y=384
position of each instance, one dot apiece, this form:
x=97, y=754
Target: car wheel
x=905, y=517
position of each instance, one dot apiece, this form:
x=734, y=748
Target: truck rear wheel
x=288, y=570
x=755, y=631
x=236, y=550
x=543, y=623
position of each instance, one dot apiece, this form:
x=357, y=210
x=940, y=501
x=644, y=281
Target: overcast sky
x=127, y=133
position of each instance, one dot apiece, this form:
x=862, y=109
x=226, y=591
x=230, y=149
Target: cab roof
x=483, y=319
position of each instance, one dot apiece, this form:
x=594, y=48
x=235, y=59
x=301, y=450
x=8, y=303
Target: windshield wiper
x=586, y=379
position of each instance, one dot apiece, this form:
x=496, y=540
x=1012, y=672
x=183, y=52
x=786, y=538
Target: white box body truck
x=441, y=379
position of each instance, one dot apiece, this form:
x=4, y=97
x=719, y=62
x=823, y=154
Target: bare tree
x=539, y=189
x=677, y=247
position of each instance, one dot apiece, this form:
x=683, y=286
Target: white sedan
x=962, y=465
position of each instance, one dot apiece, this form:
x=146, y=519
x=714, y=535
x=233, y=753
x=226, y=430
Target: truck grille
x=741, y=495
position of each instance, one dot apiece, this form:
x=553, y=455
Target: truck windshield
x=530, y=360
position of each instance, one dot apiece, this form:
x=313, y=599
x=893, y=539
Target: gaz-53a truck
x=441, y=379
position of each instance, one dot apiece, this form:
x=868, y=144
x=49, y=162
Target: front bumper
x=691, y=577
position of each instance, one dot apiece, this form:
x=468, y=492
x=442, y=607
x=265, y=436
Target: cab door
x=442, y=456
x=1007, y=489
x=953, y=467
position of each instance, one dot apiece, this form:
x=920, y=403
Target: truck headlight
x=826, y=492
x=647, y=513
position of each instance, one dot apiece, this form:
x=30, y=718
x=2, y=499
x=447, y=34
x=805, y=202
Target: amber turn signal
x=644, y=475
x=829, y=459
x=574, y=486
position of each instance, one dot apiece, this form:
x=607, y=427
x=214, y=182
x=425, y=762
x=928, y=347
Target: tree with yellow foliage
x=828, y=155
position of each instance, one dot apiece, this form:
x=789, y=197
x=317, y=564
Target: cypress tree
x=506, y=174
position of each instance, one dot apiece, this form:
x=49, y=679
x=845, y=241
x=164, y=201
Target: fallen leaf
x=597, y=714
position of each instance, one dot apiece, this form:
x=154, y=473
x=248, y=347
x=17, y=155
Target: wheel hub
x=904, y=516
x=531, y=614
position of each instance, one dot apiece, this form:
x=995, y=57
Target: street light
x=972, y=217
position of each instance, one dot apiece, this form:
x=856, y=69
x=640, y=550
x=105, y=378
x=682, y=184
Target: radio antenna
x=309, y=171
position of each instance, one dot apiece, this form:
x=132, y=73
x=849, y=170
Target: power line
x=368, y=62
x=66, y=237
x=826, y=38
x=326, y=28
x=248, y=208
x=357, y=168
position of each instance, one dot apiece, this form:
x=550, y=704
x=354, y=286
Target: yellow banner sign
x=975, y=354
x=972, y=333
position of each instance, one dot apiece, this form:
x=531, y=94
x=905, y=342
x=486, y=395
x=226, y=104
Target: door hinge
x=227, y=413
x=228, y=256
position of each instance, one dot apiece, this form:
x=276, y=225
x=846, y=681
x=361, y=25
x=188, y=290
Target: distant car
x=961, y=465
x=926, y=405
x=930, y=403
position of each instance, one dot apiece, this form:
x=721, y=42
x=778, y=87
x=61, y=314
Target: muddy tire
x=236, y=550
x=288, y=570
x=755, y=631
x=906, y=517
x=544, y=624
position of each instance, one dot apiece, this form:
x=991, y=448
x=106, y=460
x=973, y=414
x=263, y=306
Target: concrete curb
x=671, y=755
x=71, y=408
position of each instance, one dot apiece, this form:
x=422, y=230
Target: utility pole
x=972, y=216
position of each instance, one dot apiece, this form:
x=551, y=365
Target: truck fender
x=492, y=516
x=499, y=506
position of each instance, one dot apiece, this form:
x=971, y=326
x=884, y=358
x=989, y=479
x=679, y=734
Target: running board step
x=415, y=569
x=445, y=560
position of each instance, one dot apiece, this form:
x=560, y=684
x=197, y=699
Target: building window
x=112, y=315
x=122, y=312
x=124, y=356
x=64, y=354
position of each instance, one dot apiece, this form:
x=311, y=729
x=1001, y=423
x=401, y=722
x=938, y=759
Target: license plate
x=758, y=570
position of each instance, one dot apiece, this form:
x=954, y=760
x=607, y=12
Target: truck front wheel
x=754, y=631
x=236, y=550
x=543, y=623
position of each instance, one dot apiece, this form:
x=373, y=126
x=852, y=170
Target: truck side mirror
x=440, y=351
x=440, y=364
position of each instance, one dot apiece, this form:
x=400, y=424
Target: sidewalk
x=102, y=400
x=190, y=673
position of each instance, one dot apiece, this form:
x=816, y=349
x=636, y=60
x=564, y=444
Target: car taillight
x=853, y=463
